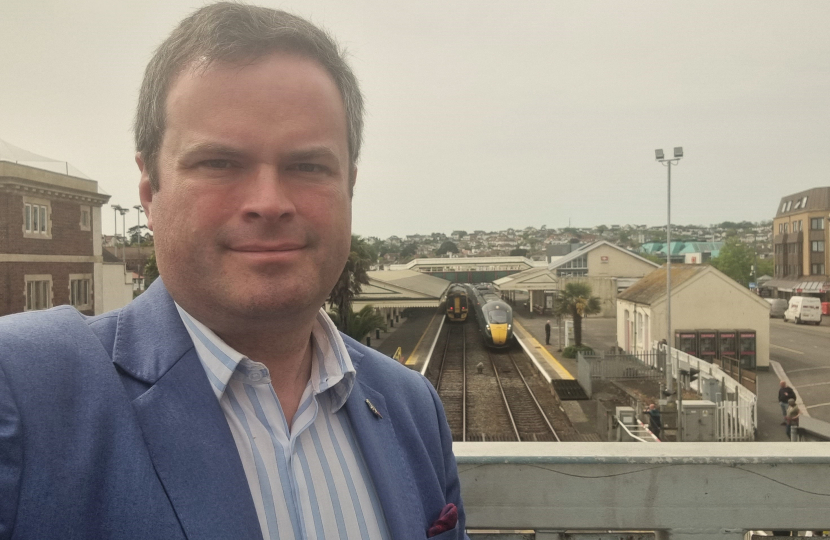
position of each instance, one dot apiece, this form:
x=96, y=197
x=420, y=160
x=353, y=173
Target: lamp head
x=659, y=153
x=678, y=151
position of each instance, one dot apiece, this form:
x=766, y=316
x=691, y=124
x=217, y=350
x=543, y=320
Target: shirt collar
x=331, y=367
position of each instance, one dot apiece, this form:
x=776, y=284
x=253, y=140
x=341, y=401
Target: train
x=457, y=303
x=495, y=316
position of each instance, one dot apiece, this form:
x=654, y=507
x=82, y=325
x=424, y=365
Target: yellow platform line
x=413, y=358
x=554, y=363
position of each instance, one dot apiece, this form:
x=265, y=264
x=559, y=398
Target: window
x=38, y=292
x=817, y=224
x=86, y=218
x=817, y=245
x=817, y=269
x=80, y=293
x=36, y=218
x=786, y=228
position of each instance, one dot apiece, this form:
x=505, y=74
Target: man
x=785, y=394
x=222, y=403
x=654, y=420
x=547, y=332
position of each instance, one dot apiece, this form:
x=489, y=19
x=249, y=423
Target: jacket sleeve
x=11, y=458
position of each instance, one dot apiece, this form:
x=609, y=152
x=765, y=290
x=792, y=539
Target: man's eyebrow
x=312, y=153
x=211, y=148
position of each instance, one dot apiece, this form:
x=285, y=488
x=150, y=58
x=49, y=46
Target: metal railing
x=676, y=491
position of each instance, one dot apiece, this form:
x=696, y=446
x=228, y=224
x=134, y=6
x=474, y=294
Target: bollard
x=368, y=341
x=391, y=323
x=377, y=333
x=397, y=318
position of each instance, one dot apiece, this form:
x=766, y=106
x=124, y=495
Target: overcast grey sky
x=484, y=115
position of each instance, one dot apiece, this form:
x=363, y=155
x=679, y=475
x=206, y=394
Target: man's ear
x=352, y=180
x=145, y=189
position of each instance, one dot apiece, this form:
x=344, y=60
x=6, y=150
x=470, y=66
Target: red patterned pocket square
x=445, y=522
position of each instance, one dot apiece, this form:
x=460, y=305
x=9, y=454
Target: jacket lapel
x=381, y=450
x=186, y=433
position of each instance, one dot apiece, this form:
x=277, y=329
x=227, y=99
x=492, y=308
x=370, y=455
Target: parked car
x=803, y=309
x=777, y=307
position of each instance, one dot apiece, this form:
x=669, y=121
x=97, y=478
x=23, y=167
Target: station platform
x=414, y=334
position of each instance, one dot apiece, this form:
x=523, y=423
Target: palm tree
x=576, y=300
x=351, y=280
x=359, y=324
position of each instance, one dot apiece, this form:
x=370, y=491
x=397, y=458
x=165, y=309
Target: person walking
x=547, y=332
x=785, y=394
x=793, y=413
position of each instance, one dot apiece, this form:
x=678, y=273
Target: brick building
x=800, y=241
x=50, y=236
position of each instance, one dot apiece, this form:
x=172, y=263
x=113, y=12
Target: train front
x=499, y=327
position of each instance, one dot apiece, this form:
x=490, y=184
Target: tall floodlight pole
x=668, y=162
x=139, y=210
x=123, y=212
x=115, y=209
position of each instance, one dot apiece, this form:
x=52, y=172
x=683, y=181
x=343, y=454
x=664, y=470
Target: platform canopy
x=533, y=279
x=401, y=289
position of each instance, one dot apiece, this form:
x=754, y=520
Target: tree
x=447, y=247
x=351, y=280
x=151, y=271
x=359, y=324
x=518, y=252
x=576, y=300
x=409, y=250
x=735, y=260
x=765, y=268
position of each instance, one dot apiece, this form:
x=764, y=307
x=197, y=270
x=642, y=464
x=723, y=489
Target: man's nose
x=267, y=195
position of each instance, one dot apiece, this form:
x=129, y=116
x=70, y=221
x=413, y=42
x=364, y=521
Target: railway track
x=492, y=395
x=452, y=380
x=527, y=417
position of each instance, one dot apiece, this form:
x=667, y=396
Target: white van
x=803, y=309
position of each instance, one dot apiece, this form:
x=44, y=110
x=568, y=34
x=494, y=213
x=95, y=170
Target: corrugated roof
x=412, y=280
x=652, y=286
x=590, y=247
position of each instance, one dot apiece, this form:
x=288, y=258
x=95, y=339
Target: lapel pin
x=373, y=409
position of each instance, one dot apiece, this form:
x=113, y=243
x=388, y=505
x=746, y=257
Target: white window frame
x=85, y=210
x=30, y=302
x=39, y=214
x=80, y=291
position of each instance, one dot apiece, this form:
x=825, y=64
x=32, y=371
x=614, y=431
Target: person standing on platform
x=654, y=420
x=547, y=332
x=785, y=394
x=223, y=402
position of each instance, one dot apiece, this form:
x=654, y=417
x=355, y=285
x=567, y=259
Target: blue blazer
x=109, y=429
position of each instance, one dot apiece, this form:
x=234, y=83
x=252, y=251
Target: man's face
x=252, y=219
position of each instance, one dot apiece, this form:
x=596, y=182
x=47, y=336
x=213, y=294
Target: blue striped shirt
x=309, y=481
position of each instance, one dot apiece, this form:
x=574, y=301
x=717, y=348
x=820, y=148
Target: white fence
x=737, y=405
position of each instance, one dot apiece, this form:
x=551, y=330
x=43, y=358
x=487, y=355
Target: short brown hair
x=234, y=32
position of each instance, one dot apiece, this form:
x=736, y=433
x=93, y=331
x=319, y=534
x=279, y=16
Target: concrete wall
x=606, y=261
x=710, y=302
x=603, y=287
x=117, y=285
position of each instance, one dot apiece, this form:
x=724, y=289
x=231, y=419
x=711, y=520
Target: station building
x=606, y=267
x=50, y=235
x=800, y=238
x=702, y=298
x=470, y=269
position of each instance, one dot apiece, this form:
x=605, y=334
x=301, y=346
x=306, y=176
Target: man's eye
x=309, y=167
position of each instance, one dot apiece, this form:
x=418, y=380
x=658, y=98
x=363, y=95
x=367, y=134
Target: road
x=802, y=351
